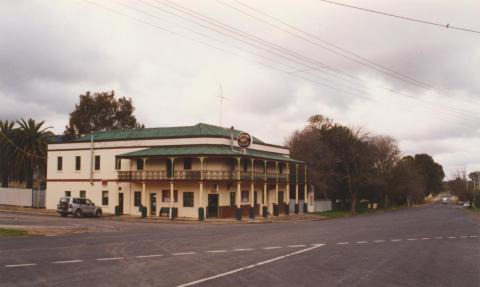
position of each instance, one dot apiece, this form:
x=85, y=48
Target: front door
x=212, y=205
x=153, y=203
x=120, y=202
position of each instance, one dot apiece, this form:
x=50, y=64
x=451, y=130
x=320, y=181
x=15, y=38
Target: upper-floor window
x=187, y=199
x=139, y=164
x=59, y=163
x=83, y=194
x=97, y=162
x=169, y=164
x=280, y=169
x=118, y=164
x=245, y=166
x=187, y=163
x=78, y=163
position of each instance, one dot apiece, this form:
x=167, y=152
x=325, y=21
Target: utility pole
x=221, y=98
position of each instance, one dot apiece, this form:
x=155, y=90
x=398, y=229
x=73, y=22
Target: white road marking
x=412, y=239
x=473, y=236
x=425, y=238
x=20, y=265
x=272, y=247
x=109, y=258
x=439, y=237
x=296, y=246
x=243, y=249
x=216, y=251
x=396, y=240
x=343, y=243
x=463, y=236
x=250, y=266
x=379, y=241
x=452, y=237
x=67, y=261
x=362, y=242
x=149, y=256
x=183, y=253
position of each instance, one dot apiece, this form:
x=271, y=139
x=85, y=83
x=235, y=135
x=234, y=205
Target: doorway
x=120, y=202
x=153, y=203
x=212, y=205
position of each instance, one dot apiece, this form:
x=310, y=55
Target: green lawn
x=7, y=232
x=333, y=213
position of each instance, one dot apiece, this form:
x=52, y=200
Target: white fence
x=22, y=197
x=320, y=205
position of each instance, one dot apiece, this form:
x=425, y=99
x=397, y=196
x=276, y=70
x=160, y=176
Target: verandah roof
x=205, y=150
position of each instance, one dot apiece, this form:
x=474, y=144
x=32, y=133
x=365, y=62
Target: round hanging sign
x=244, y=140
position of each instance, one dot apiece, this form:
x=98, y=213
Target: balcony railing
x=149, y=175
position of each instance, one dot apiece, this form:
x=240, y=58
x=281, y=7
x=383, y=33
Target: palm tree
x=7, y=151
x=33, y=139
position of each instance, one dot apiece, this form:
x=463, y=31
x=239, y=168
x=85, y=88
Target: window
x=280, y=169
x=105, y=197
x=97, y=162
x=83, y=194
x=188, y=199
x=78, y=163
x=255, y=197
x=245, y=166
x=245, y=196
x=232, y=198
x=118, y=164
x=232, y=164
x=68, y=193
x=59, y=163
x=139, y=164
x=169, y=168
x=137, y=198
x=166, y=195
x=187, y=163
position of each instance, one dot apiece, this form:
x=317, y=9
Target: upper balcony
x=216, y=175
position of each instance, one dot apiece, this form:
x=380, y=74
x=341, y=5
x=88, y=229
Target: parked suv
x=78, y=207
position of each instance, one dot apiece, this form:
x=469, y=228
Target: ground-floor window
x=245, y=196
x=137, y=198
x=188, y=199
x=255, y=197
x=166, y=195
x=68, y=193
x=83, y=194
x=232, y=198
x=105, y=197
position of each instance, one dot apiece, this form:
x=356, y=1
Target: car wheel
x=98, y=213
x=77, y=213
x=64, y=214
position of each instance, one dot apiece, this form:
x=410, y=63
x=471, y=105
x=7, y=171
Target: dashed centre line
x=216, y=251
x=272, y=247
x=243, y=249
x=396, y=240
x=297, y=246
x=378, y=241
x=183, y=253
x=361, y=242
x=67, y=261
x=149, y=256
x=343, y=243
x=20, y=265
x=109, y=258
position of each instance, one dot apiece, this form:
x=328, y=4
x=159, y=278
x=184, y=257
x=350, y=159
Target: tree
x=386, y=157
x=101, y=112
x=32, y=141
x=432, y=173
x=407, y=182
x=7, y=151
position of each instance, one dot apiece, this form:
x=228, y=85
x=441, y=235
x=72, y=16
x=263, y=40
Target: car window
x=76, y=200
x=64, y=199
x=89, y=202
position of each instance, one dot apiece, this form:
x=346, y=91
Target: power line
x=447, y=26
x=357, y=58
x=289, y=52
x=245, y=58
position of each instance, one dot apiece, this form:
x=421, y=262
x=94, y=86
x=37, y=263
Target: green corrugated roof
x=207, y=150
x=198, y=130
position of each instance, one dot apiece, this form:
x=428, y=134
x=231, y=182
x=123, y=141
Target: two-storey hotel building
x=189, y=171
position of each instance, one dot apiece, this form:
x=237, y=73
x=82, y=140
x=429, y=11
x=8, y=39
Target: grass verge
x=8, y=232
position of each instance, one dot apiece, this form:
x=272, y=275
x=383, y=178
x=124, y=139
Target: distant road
x=425, y=246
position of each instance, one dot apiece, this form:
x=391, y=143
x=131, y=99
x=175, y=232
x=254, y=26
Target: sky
x=276, y=63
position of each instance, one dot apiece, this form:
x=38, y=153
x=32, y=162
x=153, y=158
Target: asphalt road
x=425, y=246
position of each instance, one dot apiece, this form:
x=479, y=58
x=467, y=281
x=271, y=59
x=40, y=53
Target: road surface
x=424, y=246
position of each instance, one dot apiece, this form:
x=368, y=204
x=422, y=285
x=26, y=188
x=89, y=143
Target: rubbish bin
x=117, y=210
x=143, y=210
x=287, y=209
x=265, y=211
x=201, y=214
x=238, y=214
x=251, y=212
x=275, y=210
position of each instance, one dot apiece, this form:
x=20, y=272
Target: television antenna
x=221, y=98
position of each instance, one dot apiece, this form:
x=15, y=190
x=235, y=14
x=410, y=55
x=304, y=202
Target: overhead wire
x=446, y=26
x=223, y=50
